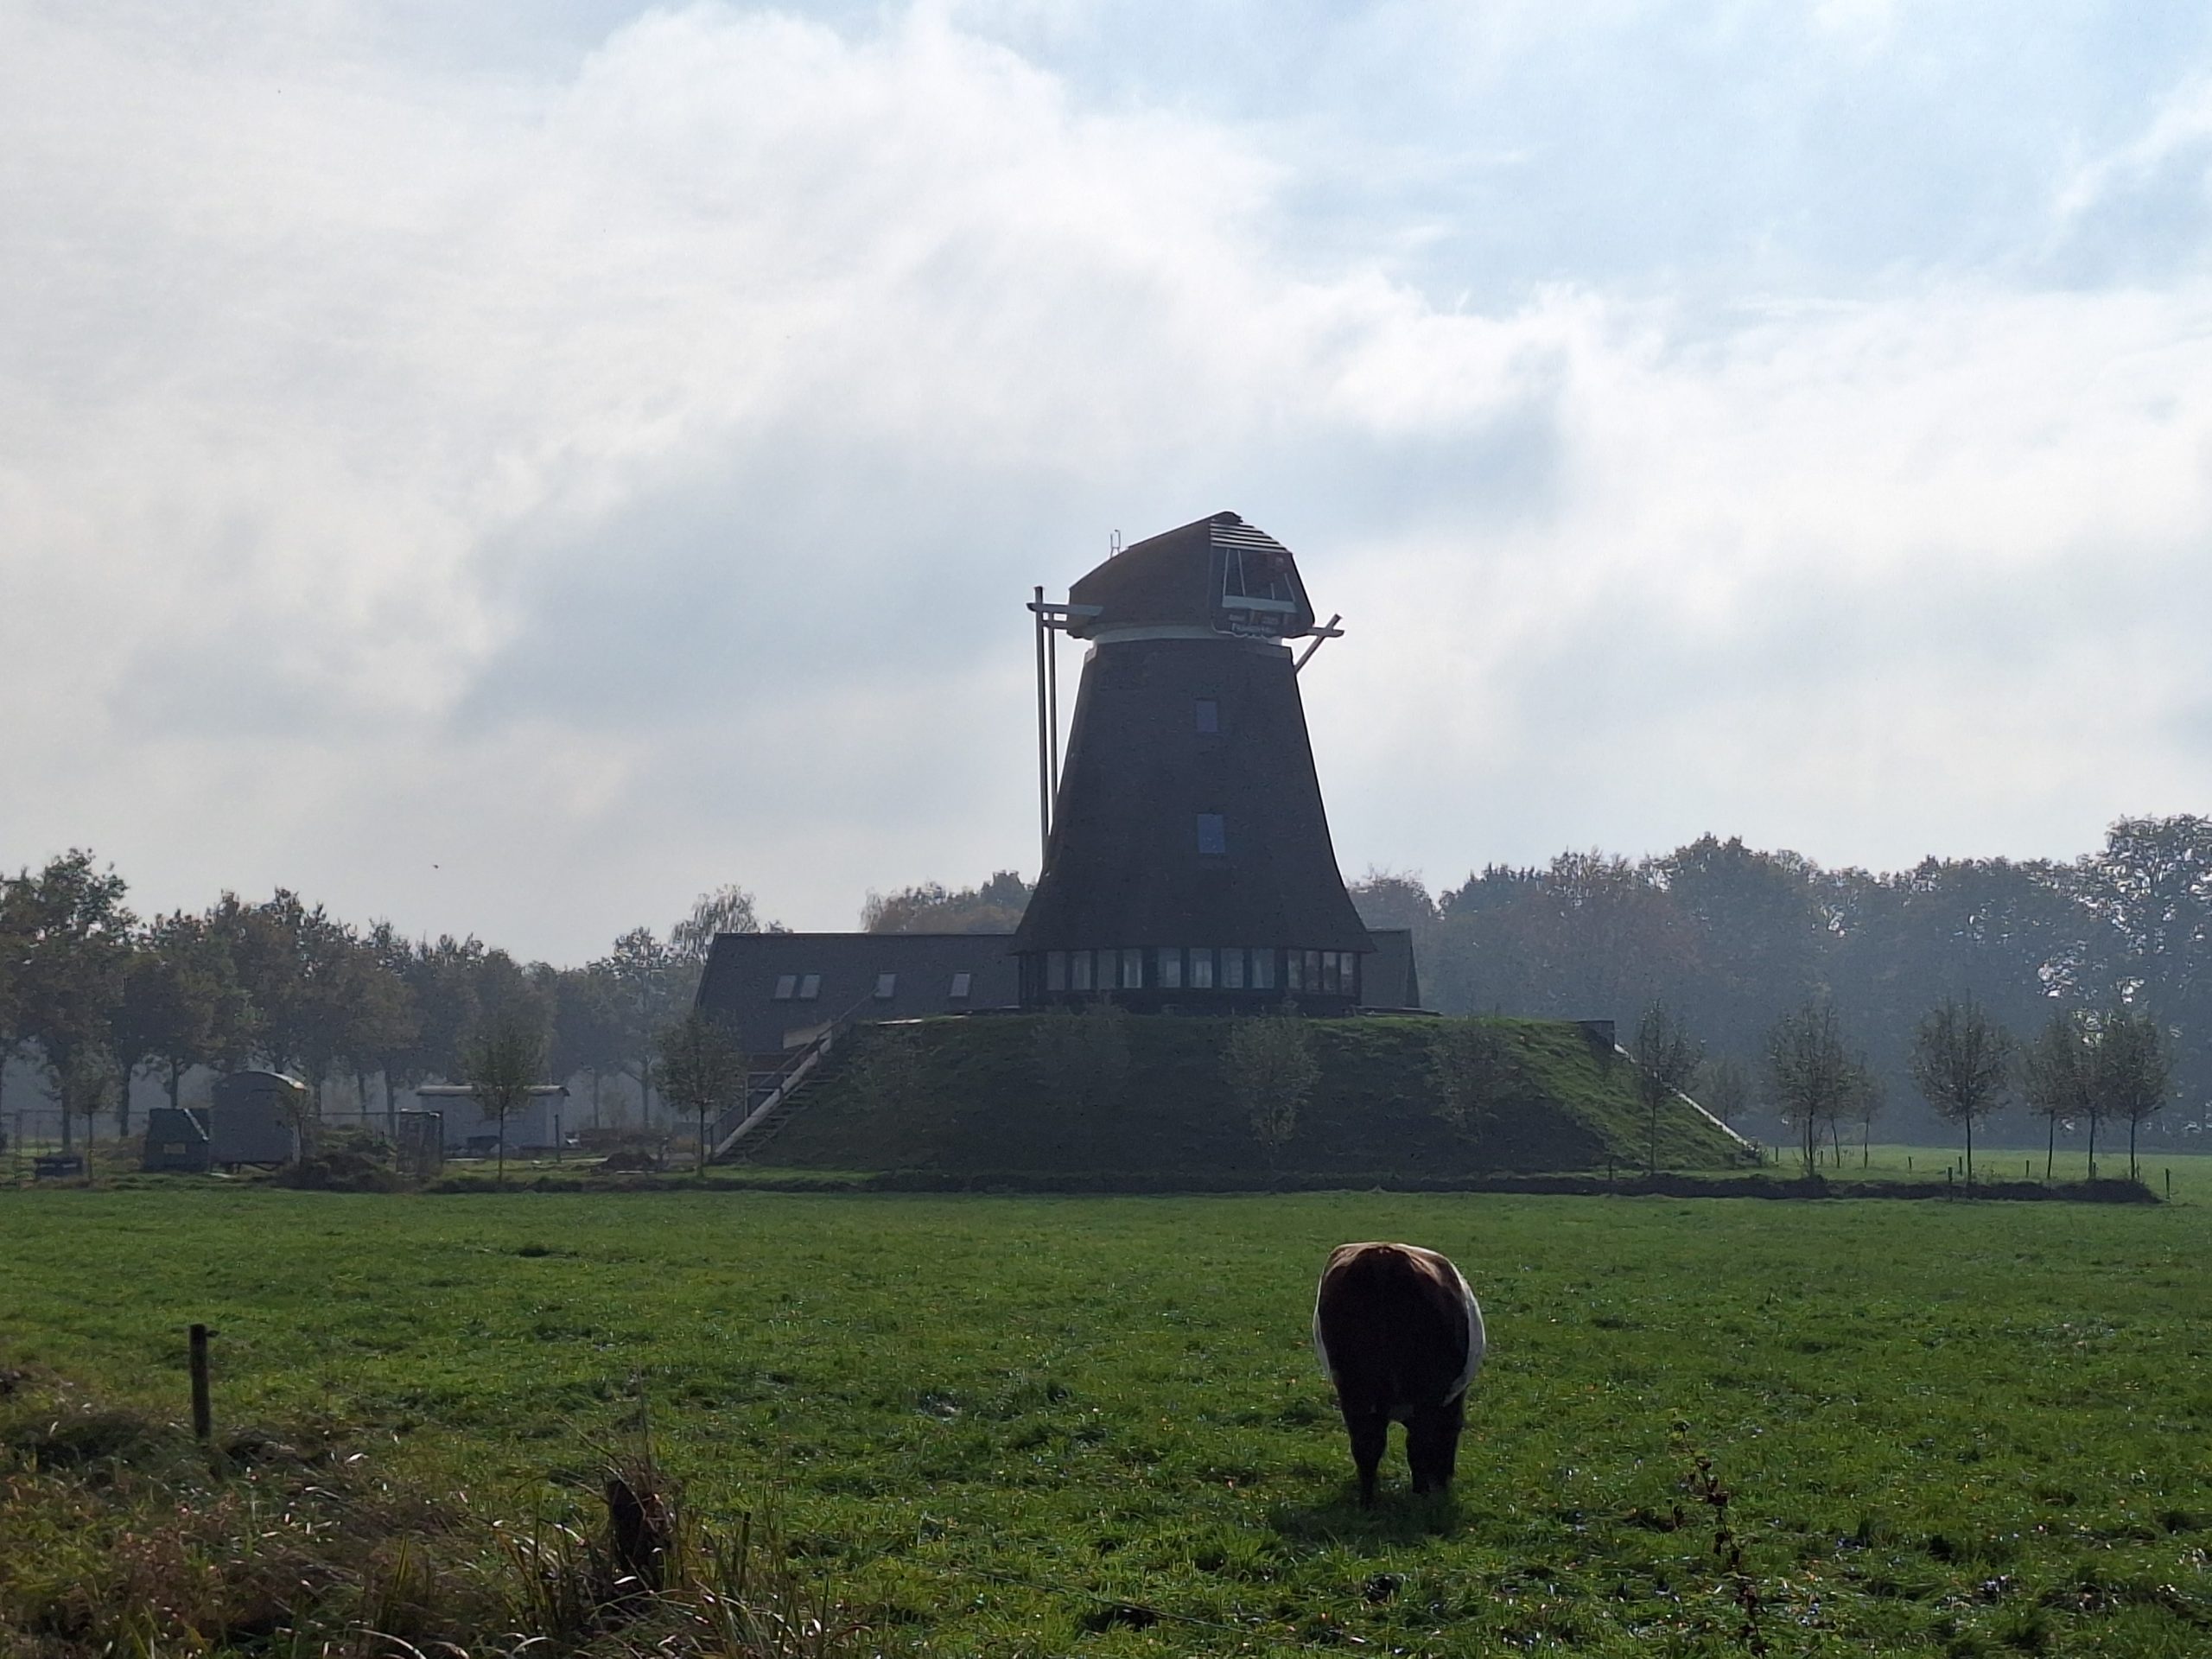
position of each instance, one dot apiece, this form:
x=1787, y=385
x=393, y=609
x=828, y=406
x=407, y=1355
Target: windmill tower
x=1187, y=861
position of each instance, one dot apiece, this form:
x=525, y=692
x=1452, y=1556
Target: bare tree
x=1467, y=1068
x=1962, y=1063
x=1864, y=1104
x=501, y=1067
x=2055, y=1076
x=703, y=1069
x=1667, y=1057
x=1272, y=1072
x=2133, y=1073
x=1810, y=1074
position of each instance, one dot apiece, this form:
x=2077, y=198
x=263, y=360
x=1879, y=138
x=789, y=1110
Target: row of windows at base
x=1203, y=968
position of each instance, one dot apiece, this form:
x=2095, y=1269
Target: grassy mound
x=974, y=1096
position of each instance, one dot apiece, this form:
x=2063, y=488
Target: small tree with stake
x=1809, y=1073
x=1962, y=1063
x=1667, y=1057
x=2133, y=1074
x=702, y=1070
x=1864, y=1103
x=1271, y=1071
x=2055, y=1076
x=500, y=1068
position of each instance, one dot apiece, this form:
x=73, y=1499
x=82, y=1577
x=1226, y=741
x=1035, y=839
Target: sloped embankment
x=975, y=1097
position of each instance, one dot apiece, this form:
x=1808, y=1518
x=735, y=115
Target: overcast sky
x=509, y=468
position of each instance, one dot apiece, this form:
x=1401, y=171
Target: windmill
x=1187, y=865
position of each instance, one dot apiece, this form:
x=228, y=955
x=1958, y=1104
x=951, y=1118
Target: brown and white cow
x=1400, y=1334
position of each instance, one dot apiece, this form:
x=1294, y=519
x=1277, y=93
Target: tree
x=1271, y=1071
x=182, y=1005
x=2133, y=1072
x=994, y=907
x=1082, y=1061
x=1809, y=1073
x=725, y=910
x=388, y=1034
x=2054, y=1076
x=1667, y=1057
x=647, y=972
x=1962, y=1063
x=268, y=946
x=703, y=1069
x=1864, y=1104
x=72, y=937
x=501, y=1067
x=588, y=1028
x=1468, y=1070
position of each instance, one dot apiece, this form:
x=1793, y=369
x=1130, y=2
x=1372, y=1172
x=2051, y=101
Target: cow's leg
x=1370, y=1434
x=1432, y=1444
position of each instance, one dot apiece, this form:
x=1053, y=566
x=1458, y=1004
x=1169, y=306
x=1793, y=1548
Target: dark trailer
x=1187, y=864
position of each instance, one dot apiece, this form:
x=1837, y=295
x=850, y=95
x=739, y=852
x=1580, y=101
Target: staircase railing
x=766, y=1095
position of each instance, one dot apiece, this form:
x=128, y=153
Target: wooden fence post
x=203, y=1425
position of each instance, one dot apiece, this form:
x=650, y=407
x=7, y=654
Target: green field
x=1094, y=1425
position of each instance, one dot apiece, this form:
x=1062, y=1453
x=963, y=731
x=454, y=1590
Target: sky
x=510, y=468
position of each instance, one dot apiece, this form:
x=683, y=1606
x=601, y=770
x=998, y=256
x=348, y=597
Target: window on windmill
x=960, y=984
x=1170, y=969
x=1232, y=970
x=1132, y=970
x=786, y=984
x=1293, y=963
x=887, y=987
x=1079, y=980
x=1263, y=971
x=1209, y=716
x=1201, y=969
x=1213, y=835
x=810, y=986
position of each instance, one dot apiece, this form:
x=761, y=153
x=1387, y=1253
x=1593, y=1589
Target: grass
x=1563, y=1104
x=1047, y=1425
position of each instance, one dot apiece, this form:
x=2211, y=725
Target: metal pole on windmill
x=1044, y=758
x=1052, y=695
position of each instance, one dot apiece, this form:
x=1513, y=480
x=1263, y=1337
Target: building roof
x=759, y=982
x=1218, y=574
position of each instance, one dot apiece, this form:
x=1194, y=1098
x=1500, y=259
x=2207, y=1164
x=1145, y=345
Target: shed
x=254, y=1117
x=176, y=1140
x=535, y=1126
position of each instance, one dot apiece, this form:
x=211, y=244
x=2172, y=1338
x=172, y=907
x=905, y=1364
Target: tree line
x=93, y=995
x=1735, y=941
